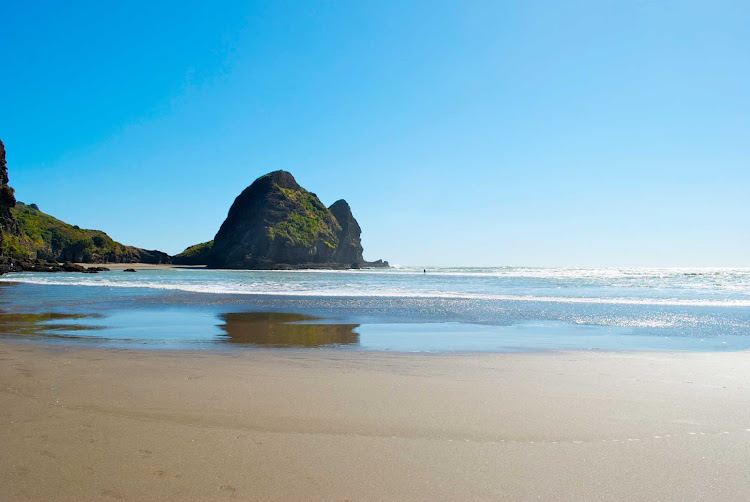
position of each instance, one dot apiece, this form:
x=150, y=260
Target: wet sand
x=92, y=424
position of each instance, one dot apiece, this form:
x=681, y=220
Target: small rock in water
x=72, y=267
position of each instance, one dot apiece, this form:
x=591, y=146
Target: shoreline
x=139, y=266
x=186, y=308
x=83, y=423
x=281, y=267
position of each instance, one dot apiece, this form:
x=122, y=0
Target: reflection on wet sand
x=47, y=324
x=285, y=330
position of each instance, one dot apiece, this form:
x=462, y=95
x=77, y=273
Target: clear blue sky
x=475, y=133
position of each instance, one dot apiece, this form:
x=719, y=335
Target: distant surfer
x=424, y=271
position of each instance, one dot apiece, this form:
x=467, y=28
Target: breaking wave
x=575, y=288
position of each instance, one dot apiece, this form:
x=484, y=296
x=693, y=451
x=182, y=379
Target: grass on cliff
x=194, y=255
x=197, y=249
x=48, y=238
x=308, y=222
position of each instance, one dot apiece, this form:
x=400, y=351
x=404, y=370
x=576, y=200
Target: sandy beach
x=84, y=423
x=450, y=251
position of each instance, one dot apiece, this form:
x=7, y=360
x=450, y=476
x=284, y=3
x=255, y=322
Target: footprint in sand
x=111, y=493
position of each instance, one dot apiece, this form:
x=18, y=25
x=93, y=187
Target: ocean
x=437, y=309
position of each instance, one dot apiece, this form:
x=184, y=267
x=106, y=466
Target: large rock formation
x=275, y=223
x=8, y=225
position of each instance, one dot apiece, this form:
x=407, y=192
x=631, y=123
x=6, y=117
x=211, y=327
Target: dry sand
x=92, y=424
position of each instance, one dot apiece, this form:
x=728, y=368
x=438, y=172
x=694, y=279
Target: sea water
x=401, y=309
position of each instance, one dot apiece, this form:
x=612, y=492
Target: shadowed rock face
x=275, y=223
x=8, y=223
x=349, y=249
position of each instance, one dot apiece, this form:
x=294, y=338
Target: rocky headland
x=276, y=224
x=31, y=240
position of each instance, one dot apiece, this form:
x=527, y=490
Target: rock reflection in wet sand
x=284, y=330
x=47, y=324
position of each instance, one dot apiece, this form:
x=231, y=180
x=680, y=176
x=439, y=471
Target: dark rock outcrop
x=275, y=223
x=349, y=249
x=8, y=225
x=22, y=264
x=151, y=256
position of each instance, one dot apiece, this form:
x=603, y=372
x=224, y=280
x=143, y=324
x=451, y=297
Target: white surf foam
x=354, y=291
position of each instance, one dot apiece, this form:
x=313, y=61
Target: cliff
x=34, y=240
x=8, y=225
x=44, y=237
x=275, y=223
x=349, y=249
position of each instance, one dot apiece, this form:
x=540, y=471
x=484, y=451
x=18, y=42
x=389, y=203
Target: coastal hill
x=276, y=224
x=27, y=235
x=194, y=255
x=44, y=237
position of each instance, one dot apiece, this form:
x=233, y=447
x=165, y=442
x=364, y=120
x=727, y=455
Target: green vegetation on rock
x=309, y=221
x=194, y=255
x=47, y=238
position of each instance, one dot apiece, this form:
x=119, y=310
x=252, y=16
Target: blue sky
x=461, y=133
